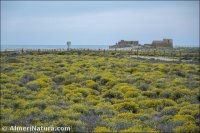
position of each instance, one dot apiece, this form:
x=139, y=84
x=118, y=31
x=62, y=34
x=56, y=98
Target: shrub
x=93, y=102
x=19, y=104
x=79, y=108
x=97, y=78
x=58, y=61
x=26, y=117
x=8, y=69
x=185, y=112
x=84, y=91
x=132, y=130
x=91, y=84
x=131, y=70
x=131, y=94
x=157, y=104
x=180, y=73
x=36, y=84
x=127, y=106
x=4, y=78
x=180, y=93
x=130, y=80
x=58, y=79
x=187, y=128
x=104, y=81
x=27, y=77
x=168, y=102
x=165, y=123
x=75, y=97
x=91, y=120
x=149, y=94
x=143, y=87
x=99, y=129
x=39, y=104
x=13, y=60
x=124, y=87
x=142, y=117
x=112, y=82
x=177, y=81
x=138, y=130
x=149, y=111
x=166, y=93
x=6, y=113
x=126, y=116
x=169, y=111
x=51, y=112
x=76, y=125
x=183, y=119
x=70, y=78
x=104, y=109
x=113, y=94
x=120, y=124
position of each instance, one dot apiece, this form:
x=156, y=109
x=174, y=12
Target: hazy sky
x=98, y=22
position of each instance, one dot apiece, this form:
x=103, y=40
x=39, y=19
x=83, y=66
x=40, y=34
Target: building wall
x=122, y=44
x=164, y=43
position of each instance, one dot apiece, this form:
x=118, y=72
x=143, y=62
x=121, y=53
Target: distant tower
x=68, y=45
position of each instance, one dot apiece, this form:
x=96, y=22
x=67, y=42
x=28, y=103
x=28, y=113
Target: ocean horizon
x=17, y=47
x=42, y=47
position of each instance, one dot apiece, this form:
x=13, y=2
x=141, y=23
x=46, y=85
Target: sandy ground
x=159, y=58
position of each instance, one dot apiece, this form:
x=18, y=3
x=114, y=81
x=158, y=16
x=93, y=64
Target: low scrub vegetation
x=99, y=92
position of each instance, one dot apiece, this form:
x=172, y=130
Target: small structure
x=68, y=45
x=167, y=43
x=124, y=44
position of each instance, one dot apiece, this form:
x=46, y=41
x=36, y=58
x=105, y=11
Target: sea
x=26, y=47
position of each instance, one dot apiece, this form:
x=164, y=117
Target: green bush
x=27, y=77
x=127, y=106
x=80, y=108
x=131, y=94
x=187, y=128
x=169, y=111
x=126, y=116
x=143, y=87
x=36, y=84
x=39, y=104
x=58, y=79
x=91, y=84
x=104, y=80
x=157, y=104
x=166, y=93
x=149, y=94
x=113, y=94
x=13, y=60
x=138, y=129
x=105, y=109
x=101, y=129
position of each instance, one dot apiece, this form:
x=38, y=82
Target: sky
x=98, y=22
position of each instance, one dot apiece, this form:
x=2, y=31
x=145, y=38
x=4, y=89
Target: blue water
x=17, y=47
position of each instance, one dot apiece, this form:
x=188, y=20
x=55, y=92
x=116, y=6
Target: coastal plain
x=99, y=92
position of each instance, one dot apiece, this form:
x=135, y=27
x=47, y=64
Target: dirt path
x=159, y=58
